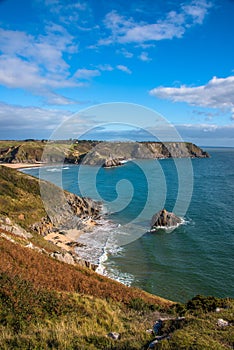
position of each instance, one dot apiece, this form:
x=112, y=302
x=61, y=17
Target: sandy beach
x=22, y=165
x=65, y=241
x=69, y=239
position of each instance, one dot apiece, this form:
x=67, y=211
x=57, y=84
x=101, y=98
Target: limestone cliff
x=93, y=152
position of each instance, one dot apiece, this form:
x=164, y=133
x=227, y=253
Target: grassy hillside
x=48, y=304
x=20, y=197
x=47, y=273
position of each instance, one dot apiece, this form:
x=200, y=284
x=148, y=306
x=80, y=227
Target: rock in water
x=164, y=219
x=112, y=162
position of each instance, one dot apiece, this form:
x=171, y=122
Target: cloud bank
x=217, y=93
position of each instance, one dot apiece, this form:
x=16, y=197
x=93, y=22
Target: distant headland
x=93, y=152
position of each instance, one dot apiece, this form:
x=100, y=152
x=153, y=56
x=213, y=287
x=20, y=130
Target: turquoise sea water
x=196, y=257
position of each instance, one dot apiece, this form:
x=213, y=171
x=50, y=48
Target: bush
x=205, y=304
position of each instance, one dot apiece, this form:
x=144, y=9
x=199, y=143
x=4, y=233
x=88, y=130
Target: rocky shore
x=67, y=216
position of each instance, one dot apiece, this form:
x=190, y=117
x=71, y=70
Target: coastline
x=68, y=240
x=22, y=165
x=91, y=244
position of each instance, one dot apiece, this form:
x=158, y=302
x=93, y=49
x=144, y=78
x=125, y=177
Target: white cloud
x=14, y=117
x=52, y=98
x=125, y=53
x=45, y=50
x=217, y=93
x=71, y=10
x=86, y=74
x=197, y=9
x=18, y=73
x=126, y=30
x=144, y=56
x=36, y=63
x=124, y=69
x=105, y=67
x=34, y=122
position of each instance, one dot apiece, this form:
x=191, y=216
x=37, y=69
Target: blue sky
x=58, y=57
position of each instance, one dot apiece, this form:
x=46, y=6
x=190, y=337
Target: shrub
x=205, y=304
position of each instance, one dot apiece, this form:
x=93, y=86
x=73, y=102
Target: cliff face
x=141, y=150
x=93, y=153
x=22, y=212
x=21, y=152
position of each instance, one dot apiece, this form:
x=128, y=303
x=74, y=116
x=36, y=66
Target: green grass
x=199, y=329
x=32, y=318
x=20, y=194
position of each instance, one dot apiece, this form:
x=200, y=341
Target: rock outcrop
x=112, y=162
x=6, y=224
x=70, y=212
x=164, y=219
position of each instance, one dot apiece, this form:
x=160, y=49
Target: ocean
x=194, y=258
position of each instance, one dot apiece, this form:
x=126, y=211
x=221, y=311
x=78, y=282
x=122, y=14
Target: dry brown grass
x=47, y=273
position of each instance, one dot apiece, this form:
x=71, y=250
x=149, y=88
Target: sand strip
x=22, y=165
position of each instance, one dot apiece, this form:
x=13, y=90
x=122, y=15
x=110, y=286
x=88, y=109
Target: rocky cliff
x=104, y=151
x=59, y=218
x=93, y=152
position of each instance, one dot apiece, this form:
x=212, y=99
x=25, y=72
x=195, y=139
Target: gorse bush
x=205, y=304
x=201, y=304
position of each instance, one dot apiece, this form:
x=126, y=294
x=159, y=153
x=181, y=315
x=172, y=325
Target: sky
x=60, y=57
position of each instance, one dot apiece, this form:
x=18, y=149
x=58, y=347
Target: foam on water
x=96, y=242
x=53, y=169
x=99, y=245
x=117, y=275
x=56, y=169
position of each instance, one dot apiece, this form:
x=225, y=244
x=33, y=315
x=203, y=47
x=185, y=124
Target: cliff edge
x=93, y=152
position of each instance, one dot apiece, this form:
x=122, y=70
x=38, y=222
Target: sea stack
x=164, y=219
x=112, y=162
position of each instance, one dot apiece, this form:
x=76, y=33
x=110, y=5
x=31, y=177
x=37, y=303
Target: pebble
x=222, y=323
x=114, y=335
